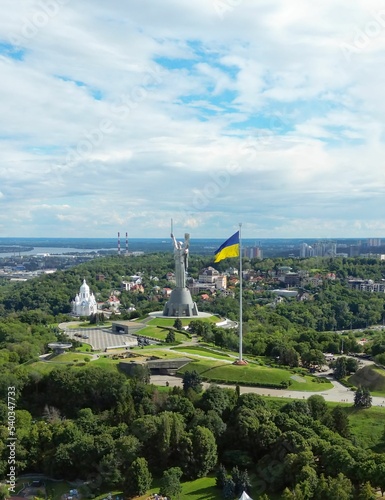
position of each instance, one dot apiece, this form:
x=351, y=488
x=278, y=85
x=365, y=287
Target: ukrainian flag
x=230, y=248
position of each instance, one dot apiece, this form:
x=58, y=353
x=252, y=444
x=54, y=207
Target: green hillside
x=371, y=377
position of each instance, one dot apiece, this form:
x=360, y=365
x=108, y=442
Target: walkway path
x=100, y=339
x=338, y=393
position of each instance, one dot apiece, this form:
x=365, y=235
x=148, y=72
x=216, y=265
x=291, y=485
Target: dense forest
x=103, y=427
x=134, y=432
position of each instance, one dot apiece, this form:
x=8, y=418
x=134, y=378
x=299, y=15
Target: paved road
x=102, y=338
x=338, y=394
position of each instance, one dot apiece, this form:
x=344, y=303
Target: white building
x=211, y=276
x=85, y=302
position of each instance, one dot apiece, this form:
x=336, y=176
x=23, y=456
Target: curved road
x=338, y=394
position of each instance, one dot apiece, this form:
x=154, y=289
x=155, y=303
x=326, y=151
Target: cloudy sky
x=118, y=115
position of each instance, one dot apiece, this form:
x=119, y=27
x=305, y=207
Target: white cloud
x=115, y=116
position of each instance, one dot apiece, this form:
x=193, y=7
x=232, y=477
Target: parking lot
x=101, y=339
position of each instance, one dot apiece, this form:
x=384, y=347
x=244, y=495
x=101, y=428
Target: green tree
x=220, y=476
x=314, y=357
x=288, y=356
x=331, y=488
x=288, y=495
x=318, y=406
x=362, y=398
x=217, y=399
x=340, y=370
x=351, y=365
x=241, y=480
x=228, y=489
x=340, y=421
x=109, y=470
x=204, y=455
x=127, y=449
x=138, y=478
x=366, y=492
x=170, y=485
x=4, y=493
x=178, y=324
x=379, y=477
x=180, y=404
x=170, y=338
x=192, y=380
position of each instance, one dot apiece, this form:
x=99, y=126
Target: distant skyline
x=118, y=116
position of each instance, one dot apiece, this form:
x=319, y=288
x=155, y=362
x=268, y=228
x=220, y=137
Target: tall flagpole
x=240, y=294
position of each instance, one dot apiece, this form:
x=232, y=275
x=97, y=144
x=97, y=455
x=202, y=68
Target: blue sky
x=120, y=116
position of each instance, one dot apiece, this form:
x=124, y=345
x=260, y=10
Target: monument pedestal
x=180, y=304
x=240, y=362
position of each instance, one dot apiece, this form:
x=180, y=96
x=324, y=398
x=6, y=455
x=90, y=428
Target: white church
x=85, y=302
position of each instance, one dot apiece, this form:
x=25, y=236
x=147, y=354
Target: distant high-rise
x=354, y=250
x=305, y=250
x=318, y=249
x=253, y=252
x=374, y=242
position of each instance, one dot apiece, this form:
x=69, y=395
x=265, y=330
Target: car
x=85, y=336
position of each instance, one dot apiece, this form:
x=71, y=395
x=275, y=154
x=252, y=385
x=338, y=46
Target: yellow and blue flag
x=230, y=248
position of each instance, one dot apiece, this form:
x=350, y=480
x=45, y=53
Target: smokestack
x=126, y=243
x=118, y=243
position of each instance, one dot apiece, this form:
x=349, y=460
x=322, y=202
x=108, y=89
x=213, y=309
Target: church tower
x=84, y=303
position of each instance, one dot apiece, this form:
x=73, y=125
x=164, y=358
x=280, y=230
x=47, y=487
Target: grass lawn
x=371, y=377
x=201, y=351
x=55, y=489
x=44, y=367
x=250, y=374
x=107, y=363
x=41, y=367
x=158, y=333
x=200, y=489
x=167, y=322
x=86, y=324
x=367, y=426
x=185, y=321
x=69, y=357
x=84, y=348
x=114, y=494
x=161, y=353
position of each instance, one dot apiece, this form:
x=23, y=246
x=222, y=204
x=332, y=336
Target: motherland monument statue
x=180, y=303
x=181, y=260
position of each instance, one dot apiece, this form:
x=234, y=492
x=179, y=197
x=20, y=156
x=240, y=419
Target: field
x=160, y=353
x=159, y=334
x=371, y=377
x=86, y=324
x=367, y=426
x=200, y=489
x=185, y=321
x=84, y=348
x=201, y=351
x=68, y=359
x=252, y=375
